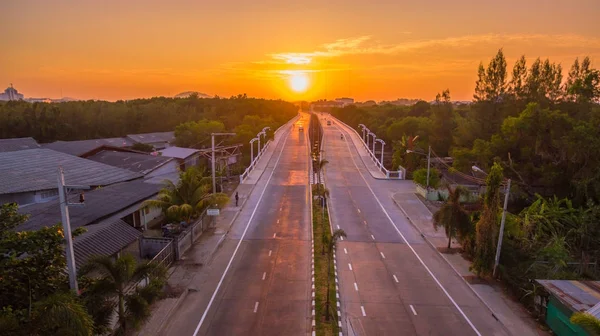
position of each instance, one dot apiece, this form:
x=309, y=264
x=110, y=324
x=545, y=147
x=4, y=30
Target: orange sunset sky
x=380, y=49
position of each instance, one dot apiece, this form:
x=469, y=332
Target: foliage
x=189, y=197
x=196, y=134
x=420, y=177
x=453, y=217
x=142, y=147
x=114, y=281
x=587, y=321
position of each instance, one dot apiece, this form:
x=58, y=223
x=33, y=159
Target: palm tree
x=337, y=234
x=188, y=198
x=115, y=281
x=319, y=165
x=588, y=321
x=453, y=216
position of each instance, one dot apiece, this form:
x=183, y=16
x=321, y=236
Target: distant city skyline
x=368, y=50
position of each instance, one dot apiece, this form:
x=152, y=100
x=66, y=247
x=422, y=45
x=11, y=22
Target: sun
x=299, y=82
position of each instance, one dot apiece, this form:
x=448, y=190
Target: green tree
x=196, y=134
x=452, y=216
x=442, y=116
x=319, y=164
x=337, y=234
x=487, y=227
x=588, y=321
x=115, y=280
x=188, y=198
x=420, y=177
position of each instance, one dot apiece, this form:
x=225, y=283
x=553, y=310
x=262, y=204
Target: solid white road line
x=373, y=237
x=396, y=278
x=413, y=310
x=350, y=266
x=264, y=275
x=382, y=255
x=410, y=246
x=274, y=234
x=212, y=299
x=270, y=251
x=363, y=310
x=345, y=251
x=256, y=306
x=356, y=286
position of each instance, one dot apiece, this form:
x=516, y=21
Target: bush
x=420, y=177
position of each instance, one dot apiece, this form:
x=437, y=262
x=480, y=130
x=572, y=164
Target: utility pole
x=66, y=223
x=212, y=135
x=501, y=234
x=428, y=165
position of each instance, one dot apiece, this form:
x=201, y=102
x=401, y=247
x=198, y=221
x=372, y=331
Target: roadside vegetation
x=532, y=124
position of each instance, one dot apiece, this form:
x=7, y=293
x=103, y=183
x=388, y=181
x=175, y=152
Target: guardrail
x=391, y=174
x=249, y=169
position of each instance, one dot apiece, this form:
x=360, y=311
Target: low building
x=345, y=101
x=30, y=176
x=159, y=140
x=187, y=157
x=562, y=298
x=11, y=94
x=145, y=164
x=16, y=144
x=84, y=147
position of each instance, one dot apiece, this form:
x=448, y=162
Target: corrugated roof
x=136, y=162
x=36, y=169
x=17, y=144
x=577, y=295
x=148, y=138
x=178, y=152
x=104, y=239
x=81, y=147
x=99, y=204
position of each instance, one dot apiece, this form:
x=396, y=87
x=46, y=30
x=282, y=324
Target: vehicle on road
x=328, y=122
x=300, y=128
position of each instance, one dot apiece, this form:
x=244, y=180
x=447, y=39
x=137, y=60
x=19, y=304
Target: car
x=301, y=128
x=328, y=122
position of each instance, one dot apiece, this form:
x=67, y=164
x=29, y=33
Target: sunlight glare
x=299, y=82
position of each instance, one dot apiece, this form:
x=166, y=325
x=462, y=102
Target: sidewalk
x=510, y=313
x=200, y=255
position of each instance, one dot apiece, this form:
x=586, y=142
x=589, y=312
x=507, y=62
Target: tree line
x=533, y=125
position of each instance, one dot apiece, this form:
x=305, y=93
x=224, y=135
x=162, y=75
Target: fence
x=188, y=236
x=390, y=174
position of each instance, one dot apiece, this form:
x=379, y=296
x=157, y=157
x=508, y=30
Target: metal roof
x=178, y=152
x=148, y=138
x=136, y=162
x=81, y=147
x=104, y=239
x=16, y=144
x=36, y=169
x=99, y=204
x=576, y=295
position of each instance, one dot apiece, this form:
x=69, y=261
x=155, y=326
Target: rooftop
x=149, y=138
x=99, y=204
x=36, y=169
x=106, y=238
x=136, y=162
x=178, y=152
x=576, y=295
x=81, y=147
x=16, y=144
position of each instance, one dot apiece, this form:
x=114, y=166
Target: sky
x=292, y=50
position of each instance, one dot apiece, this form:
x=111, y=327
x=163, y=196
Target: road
x=391, y=281
x=259, y=282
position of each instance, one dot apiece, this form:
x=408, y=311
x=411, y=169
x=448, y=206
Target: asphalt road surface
x=391, y=281
x=259, y=282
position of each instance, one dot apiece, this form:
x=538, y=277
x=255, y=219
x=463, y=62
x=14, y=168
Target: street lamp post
x=264, y=134
x=252, y=151
x=363, y=127
x=212, y=135
x=382, y=145
x=374, y=140
x=408, y=151
x=501, y=233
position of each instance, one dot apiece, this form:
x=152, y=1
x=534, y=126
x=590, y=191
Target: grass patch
x=321, y=228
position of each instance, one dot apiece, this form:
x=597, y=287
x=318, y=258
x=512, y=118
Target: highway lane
x=259, y=281
x=389, y=287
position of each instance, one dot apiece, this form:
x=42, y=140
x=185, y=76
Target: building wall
x=169, y=167
x=557, y=318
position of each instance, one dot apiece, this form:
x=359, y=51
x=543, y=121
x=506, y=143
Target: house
x=30, y=176
x=159, y=140
x=16, y=144
x=83, y=147
x=143, y=163
x=565, y=297
x=187, y=157
x=117, y=201
x=108, y=238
